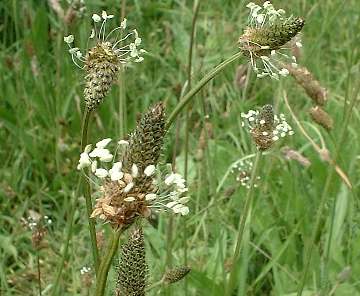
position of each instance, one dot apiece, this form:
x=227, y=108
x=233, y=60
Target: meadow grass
x=40, y=118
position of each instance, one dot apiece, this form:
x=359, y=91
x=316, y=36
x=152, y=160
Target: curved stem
x=316, y=233
x=187, y=98
x=70, y=224
x=241, y=228
x=87, y=194
x=106, y=262
x=38, y=271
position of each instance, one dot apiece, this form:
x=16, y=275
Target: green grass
x=40, y=118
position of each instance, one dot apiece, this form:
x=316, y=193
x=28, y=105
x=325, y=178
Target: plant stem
x=187, y=123
x=106, y=262
x=87, y=194
x=241, y=228
x=187, y=98
x=325, y=193
x=69, y=229
x=38, y=271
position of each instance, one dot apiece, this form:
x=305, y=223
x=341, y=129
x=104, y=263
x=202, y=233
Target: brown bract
x=120, y=206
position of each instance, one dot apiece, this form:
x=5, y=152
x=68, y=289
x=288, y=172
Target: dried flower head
x=266, y=127
x=242, y=169
x=101, y=63
x=176, y=274
x=292, y=154
x=267, y=38
x=308, y=82
x=321, y=117
x=132, y=268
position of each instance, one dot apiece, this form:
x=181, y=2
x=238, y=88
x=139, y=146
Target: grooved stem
x=187, y=98
x=241, y=228
x=87, y=194
x=106, y=262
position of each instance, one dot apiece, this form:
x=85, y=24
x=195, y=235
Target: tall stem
x=106, y=262
x=87, y=194
x=38, y=271
x=68, y=235
x=241, y=228
x=187, y=98
x=187, y=122
x=316, y=233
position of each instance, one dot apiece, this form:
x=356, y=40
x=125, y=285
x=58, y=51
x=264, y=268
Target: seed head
x=307, y=81
x=132, y=269
x=292, y=154
x=176, y=274
x=267, y=35
x=321, y=117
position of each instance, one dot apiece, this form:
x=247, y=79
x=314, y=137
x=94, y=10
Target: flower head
x=267, y=36
x=242, y=169
x=266, y=127
x=129, y=193
x=101, y=63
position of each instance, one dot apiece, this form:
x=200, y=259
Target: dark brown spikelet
x=273, y=37
x=146, y=141
x=101, y=66
x=176, y=274
x=307, y=81
x=132, y=269
x=321, y=117
x=262, y=133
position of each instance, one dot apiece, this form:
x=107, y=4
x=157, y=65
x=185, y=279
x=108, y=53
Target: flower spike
x=269, y=34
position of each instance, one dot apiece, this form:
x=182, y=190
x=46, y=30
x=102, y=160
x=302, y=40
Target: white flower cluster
x=269, y=65
x=280, y=128
x=167, y=196
x=243, y=169
x=33, y=223
x=125, y=52
x=260, y=15
x=171, y=195
x=85, y=270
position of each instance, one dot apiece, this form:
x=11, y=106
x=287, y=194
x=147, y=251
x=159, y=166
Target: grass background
x=40, y=116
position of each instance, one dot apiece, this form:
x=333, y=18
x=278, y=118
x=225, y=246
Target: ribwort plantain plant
x=129, y=185
x=127, y=182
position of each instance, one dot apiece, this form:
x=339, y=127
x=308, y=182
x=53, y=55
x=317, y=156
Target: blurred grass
x=40, y=111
